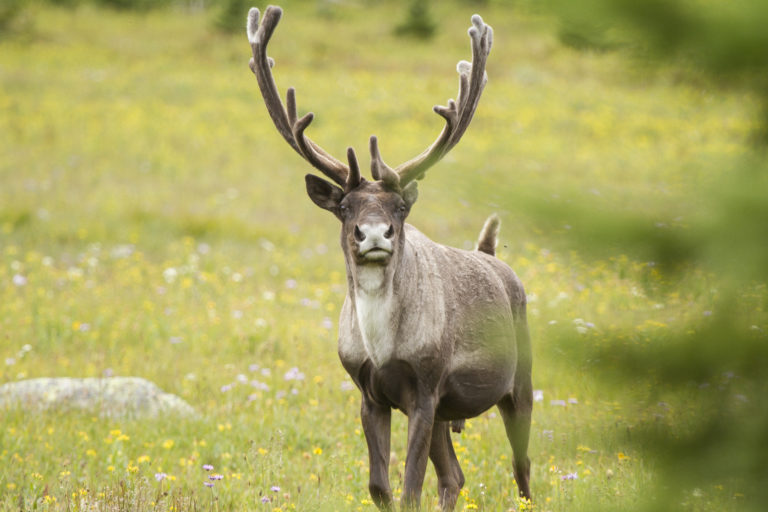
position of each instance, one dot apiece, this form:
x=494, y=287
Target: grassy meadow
x=154, y=224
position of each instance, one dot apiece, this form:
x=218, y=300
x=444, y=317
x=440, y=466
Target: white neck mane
x=374, y=305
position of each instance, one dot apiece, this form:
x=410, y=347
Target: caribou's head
x=372, y=216
x=372, y=213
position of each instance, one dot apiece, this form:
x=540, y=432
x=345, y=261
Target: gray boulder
x=108, y=397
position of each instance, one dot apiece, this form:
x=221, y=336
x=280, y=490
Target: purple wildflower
x=226, y=387
x=216, y=477
x=208, y=484
x=160, y=476
x=570, y=476
x=207, y=467
x=293, y=374
x=264, y=499
x=275, y=488
x=261, y=386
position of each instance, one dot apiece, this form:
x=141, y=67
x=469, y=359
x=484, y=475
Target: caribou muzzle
x=374, y=242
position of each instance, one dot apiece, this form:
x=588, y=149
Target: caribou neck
x=381, y=296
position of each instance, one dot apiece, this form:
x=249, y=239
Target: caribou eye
x=401, y=208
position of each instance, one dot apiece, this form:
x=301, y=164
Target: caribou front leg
x=450, y=479
x=421, y=420
x=377, y=420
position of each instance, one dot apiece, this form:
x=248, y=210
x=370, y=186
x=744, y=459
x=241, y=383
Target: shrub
x=418, y=23
x=134, y=5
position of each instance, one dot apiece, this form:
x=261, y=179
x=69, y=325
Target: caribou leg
x=376, y=422
x=516, y=406
x=517, y=422
x=450, y=479
x=420, y=422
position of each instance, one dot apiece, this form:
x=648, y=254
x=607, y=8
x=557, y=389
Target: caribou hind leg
x=516, y=407
x=517, y=421
x=450, y=479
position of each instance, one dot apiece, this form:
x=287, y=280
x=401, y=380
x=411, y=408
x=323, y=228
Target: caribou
x=439, y=333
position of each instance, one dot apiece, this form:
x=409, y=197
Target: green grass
x=137, y=143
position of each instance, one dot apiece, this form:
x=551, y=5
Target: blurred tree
x=726, y=40
x=418, y=23
x=10, y=13
x=723, y=438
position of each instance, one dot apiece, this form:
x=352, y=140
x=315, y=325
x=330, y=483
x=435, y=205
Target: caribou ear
x=410, y=193
x=324, y=194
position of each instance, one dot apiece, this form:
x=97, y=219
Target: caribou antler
x=286, y=122
x=458, y=114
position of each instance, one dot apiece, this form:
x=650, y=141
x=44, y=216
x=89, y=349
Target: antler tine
x=353, y=178
x=482, y=40
x=286, y=122
x=380, y=170
x=458, y=114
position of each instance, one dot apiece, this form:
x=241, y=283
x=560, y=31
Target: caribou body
x=436, y=332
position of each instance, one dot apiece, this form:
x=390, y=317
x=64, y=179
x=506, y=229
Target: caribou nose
x=375, y=232
x=359, y=235
x=374, y=238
